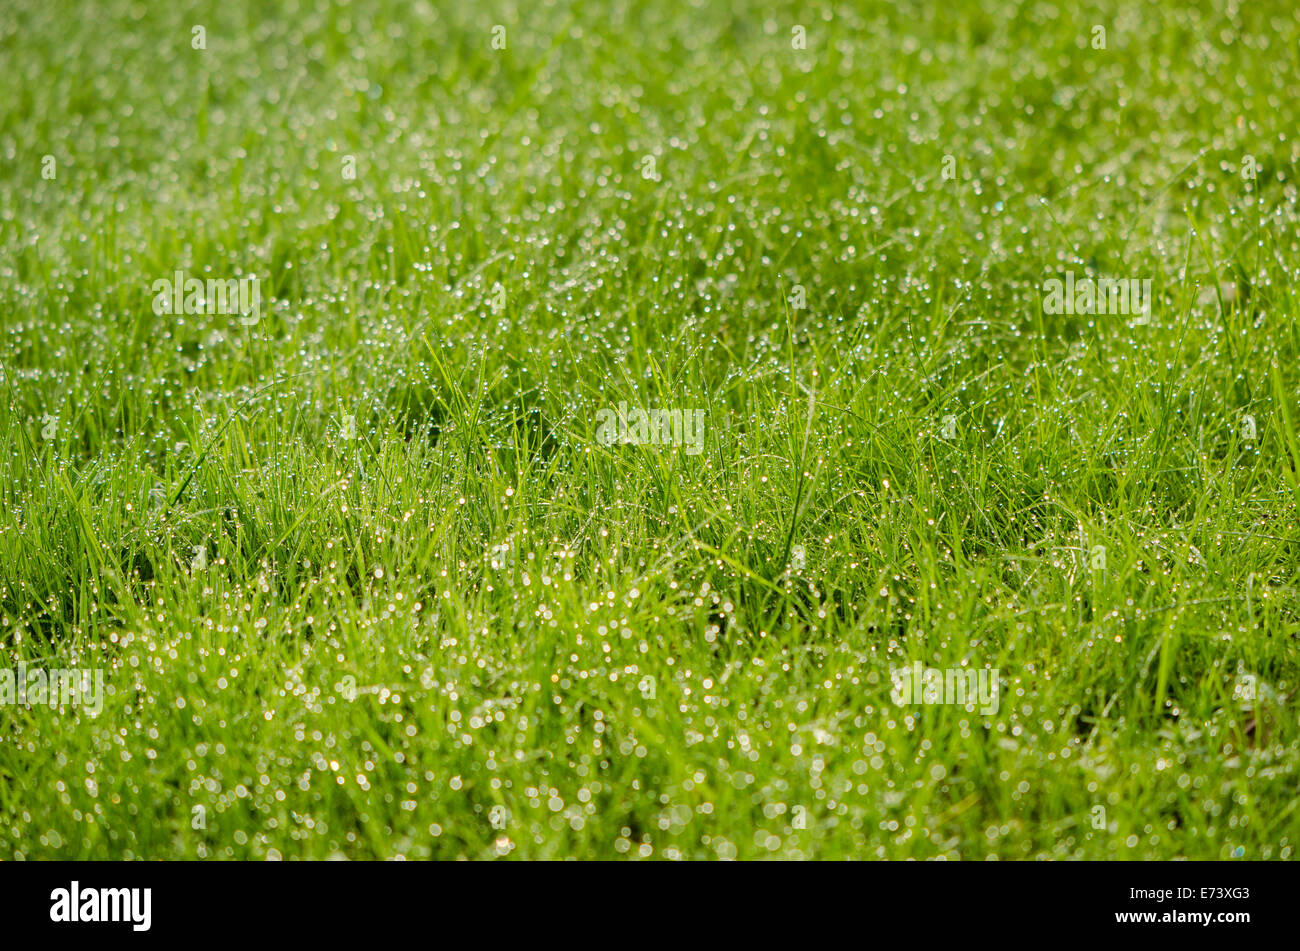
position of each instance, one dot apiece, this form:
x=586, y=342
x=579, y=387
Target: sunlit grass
x=364, y=581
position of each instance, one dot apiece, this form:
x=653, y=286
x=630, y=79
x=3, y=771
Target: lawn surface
x=361, y=578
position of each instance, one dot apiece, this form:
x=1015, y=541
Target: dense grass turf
x=316, y=645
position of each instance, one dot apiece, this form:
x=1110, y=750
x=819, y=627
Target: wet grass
x=362, y=577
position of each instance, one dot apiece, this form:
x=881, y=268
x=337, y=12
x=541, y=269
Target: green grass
x=459, y=608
